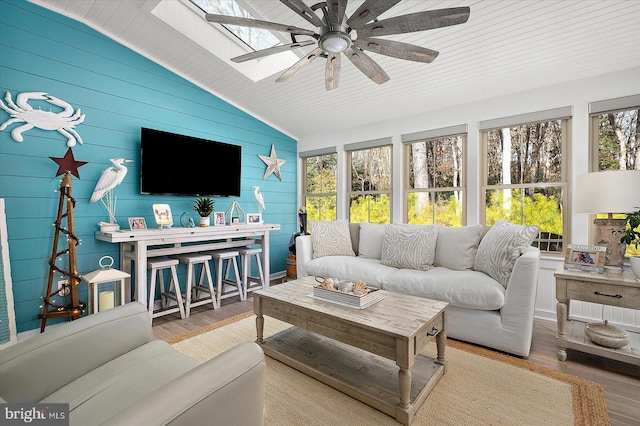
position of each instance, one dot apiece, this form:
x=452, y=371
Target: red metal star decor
x=68, y=164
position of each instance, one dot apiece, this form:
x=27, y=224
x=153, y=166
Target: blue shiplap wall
x=120, y=91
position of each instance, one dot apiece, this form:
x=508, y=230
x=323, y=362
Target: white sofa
x=488, y=275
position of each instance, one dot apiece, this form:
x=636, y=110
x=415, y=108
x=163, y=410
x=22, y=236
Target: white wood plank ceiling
x=507, y=46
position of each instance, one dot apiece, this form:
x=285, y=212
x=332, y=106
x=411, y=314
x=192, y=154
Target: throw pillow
x=499, y=249
x=330, y=238
x=457, y=246
x=371, y=240
x=409, y=246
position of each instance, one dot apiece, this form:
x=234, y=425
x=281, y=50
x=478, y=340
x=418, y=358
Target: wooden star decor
x=273, y=163
x=68, y=164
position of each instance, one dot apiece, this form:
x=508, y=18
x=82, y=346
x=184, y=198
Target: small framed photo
x=585, y=258
x=254, y=218
x=218, y=219
x=162, y=214
x=137, y=223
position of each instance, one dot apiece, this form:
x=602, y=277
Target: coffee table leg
x=257, y=309
x=404, y=382
x=441, y=344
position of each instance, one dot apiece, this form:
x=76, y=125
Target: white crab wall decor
x=21, y=112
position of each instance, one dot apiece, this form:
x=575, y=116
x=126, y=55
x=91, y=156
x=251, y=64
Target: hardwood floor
x=621, y=381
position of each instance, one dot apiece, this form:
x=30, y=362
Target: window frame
x=306, y=195
x=408, y=141
x=363, y=146
x=597, y=109
x=563, y=114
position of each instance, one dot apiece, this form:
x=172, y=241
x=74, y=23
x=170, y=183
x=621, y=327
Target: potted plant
x=632, y=236
x=204, y=207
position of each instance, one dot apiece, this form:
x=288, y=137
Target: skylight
x=256, y=38
x=187, y=17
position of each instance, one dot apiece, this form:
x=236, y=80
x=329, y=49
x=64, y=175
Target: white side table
x=103, y=276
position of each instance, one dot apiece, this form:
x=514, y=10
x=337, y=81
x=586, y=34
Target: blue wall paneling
x=120, y=91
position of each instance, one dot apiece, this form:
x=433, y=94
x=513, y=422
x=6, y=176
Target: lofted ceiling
x=507, y=46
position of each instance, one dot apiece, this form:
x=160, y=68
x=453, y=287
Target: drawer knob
x=433, y=332
x=617, y=296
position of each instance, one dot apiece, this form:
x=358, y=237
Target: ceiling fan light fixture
x=334, y=42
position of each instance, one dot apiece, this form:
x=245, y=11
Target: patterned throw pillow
x=409, y=246
x=330, y=238
x=499, y=249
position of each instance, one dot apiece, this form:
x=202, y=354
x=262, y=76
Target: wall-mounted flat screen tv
x=174, y=164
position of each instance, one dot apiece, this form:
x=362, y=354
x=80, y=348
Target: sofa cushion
x=330, y=238
x=371, y=271
x=107, y=390
x=499, y=249
x=457, y=246
x=464, y=289
x=409, y=246
x=371, y=240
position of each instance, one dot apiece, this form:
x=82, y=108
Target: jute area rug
x=480, y=387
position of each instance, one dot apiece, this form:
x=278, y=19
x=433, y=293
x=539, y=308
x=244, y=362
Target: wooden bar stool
x=157, y=267
x=251, y=283
x=230, y=256
x=204, y=283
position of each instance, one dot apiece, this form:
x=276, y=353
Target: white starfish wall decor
x=273, y=163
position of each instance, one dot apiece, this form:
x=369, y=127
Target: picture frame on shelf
x=162, y=215
x=137, y=223
x=254, y=218
x=218, y=219
x=585, y=258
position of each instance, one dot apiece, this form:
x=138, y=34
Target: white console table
x=139, y=245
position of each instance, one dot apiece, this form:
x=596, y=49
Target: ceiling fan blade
x=299, y=7
x=420, y=21
x=272, y=50
x=368, y=11
x=367, y=65
x=299, y=65
x=336, y=10
x=397, y=49
x=256, y=23
x=332, y=71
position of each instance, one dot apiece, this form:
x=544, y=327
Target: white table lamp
x=613, y=191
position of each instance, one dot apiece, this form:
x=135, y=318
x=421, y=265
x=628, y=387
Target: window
x=369, y=189
x=320, y=184
x=525, y=175
x=434, y=182
x=614, y=140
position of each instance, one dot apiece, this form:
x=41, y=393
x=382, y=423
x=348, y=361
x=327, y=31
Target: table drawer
x=425, y=337
x=606, y=294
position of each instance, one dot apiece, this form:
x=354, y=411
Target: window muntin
x=320, y=186
x=525, y=178
x=616, y=141
x=369, y=192
x=434, y=182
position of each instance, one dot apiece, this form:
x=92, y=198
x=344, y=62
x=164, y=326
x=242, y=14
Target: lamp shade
x=613, y=191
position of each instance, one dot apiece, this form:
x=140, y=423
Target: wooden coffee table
x=358, y=351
